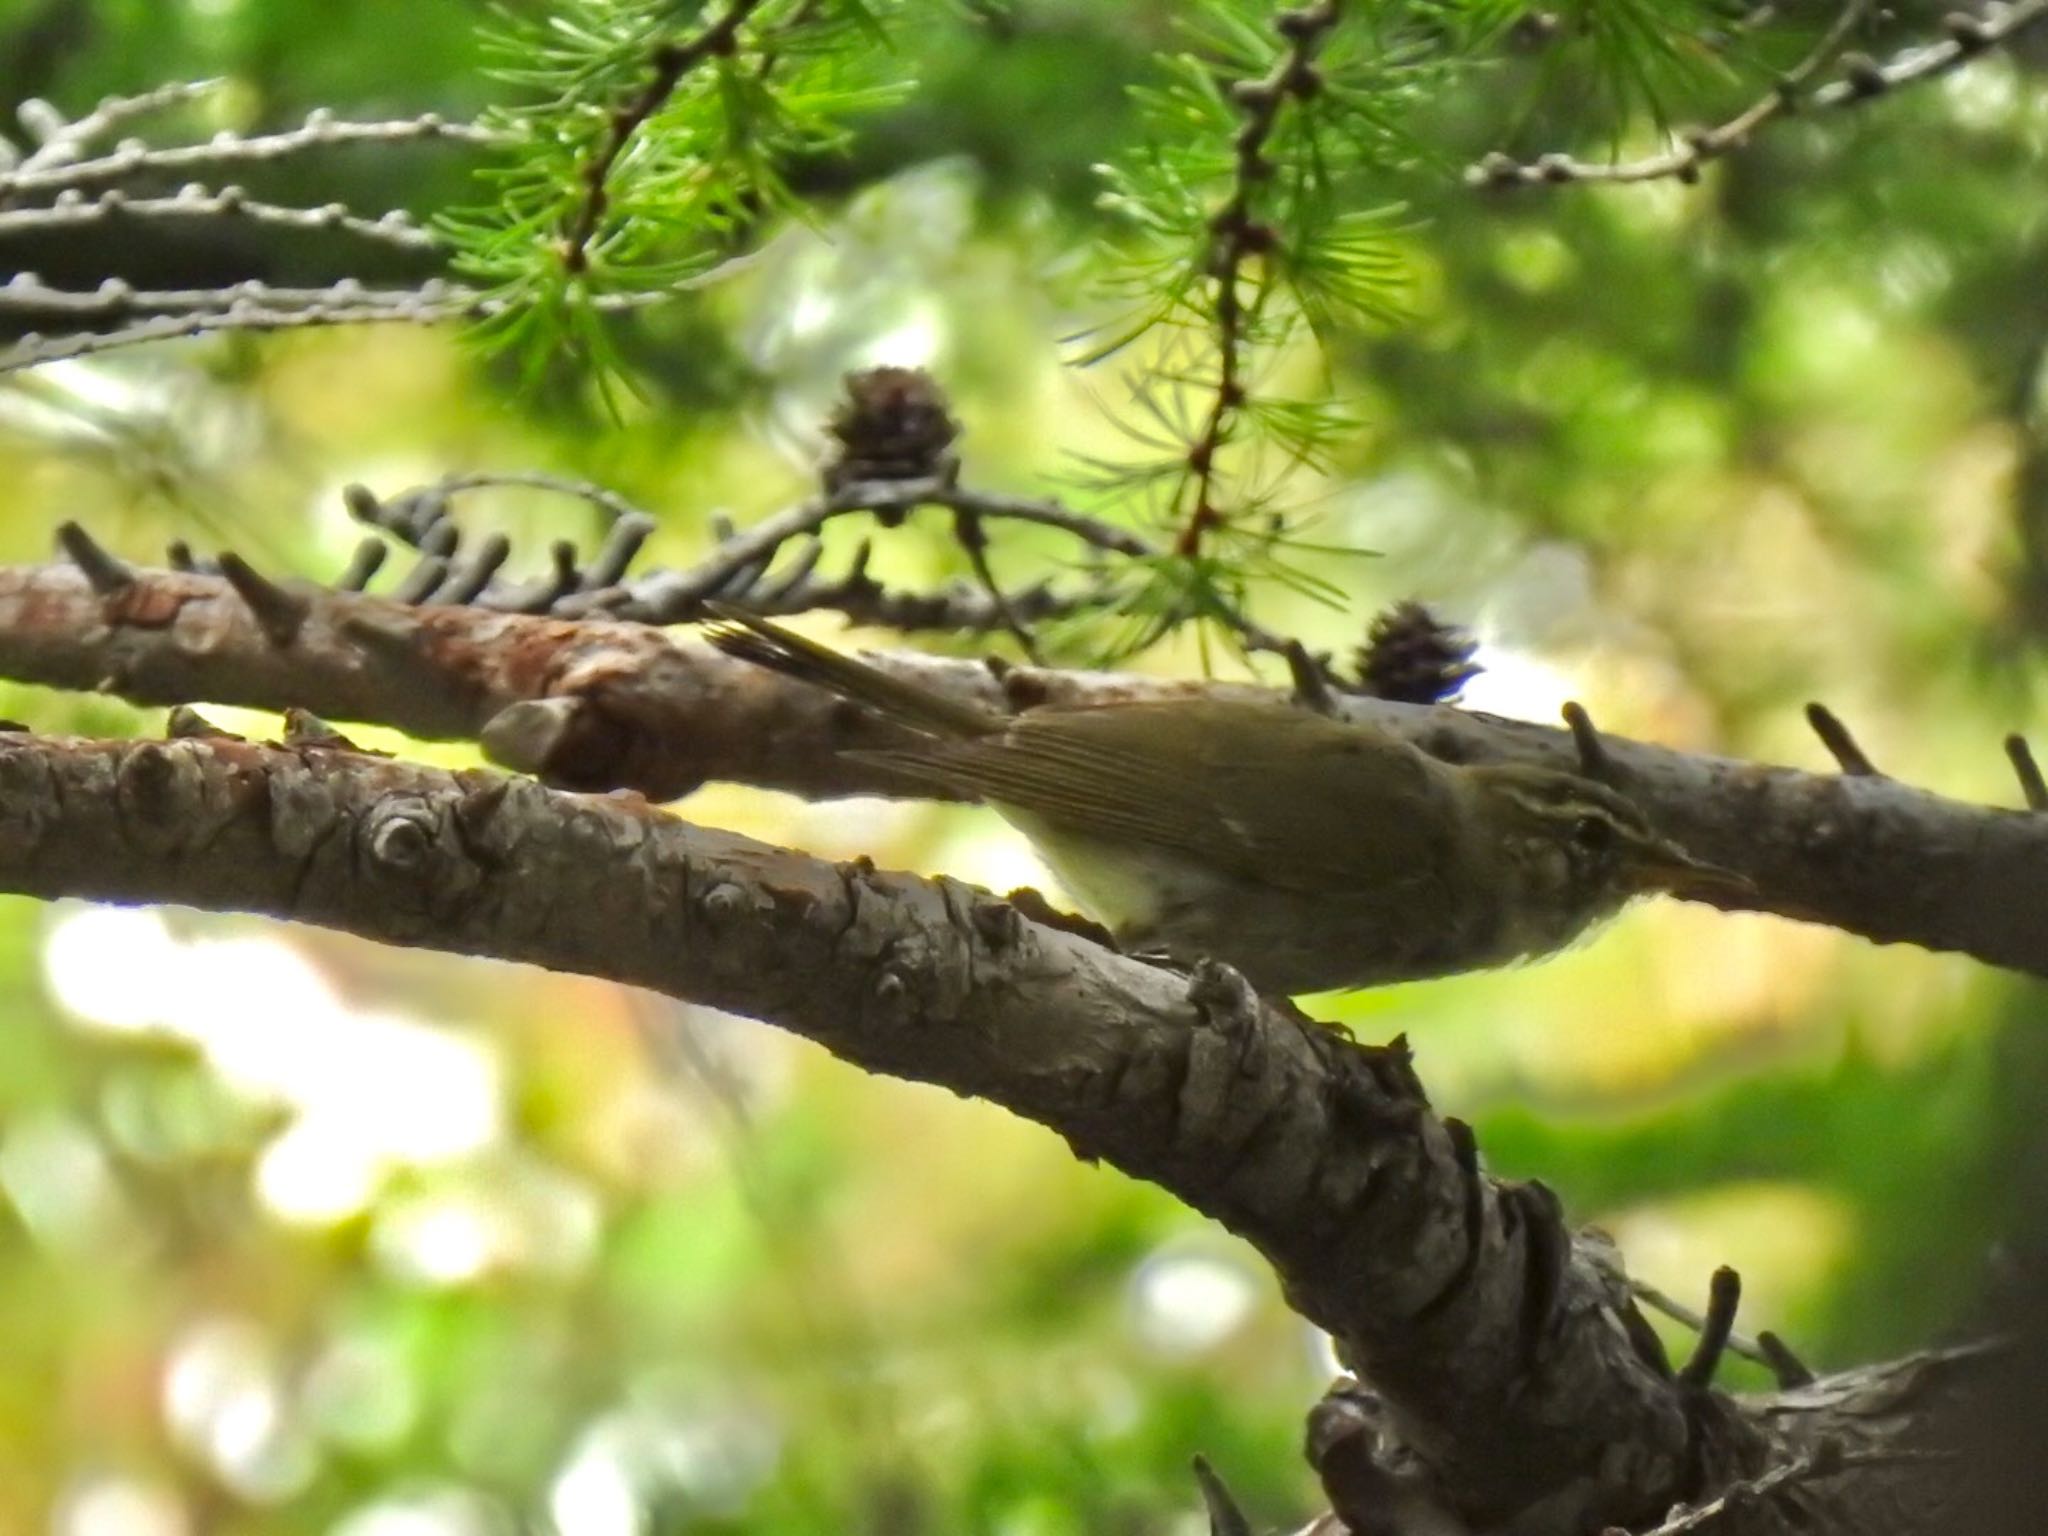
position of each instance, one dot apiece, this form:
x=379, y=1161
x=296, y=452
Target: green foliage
x=1642, y=52
x=1258, y=210
x=644, y=156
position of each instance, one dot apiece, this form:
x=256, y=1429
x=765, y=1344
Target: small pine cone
x=1411, y=657
x=893, y=425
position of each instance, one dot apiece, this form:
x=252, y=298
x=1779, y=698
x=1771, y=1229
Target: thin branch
x=347, y=303
x=321, y=130
x=34, y=351
x=1041, y=511
x=1686, y=1521
x=742, y=571
x=1697, y=148
x=614, y=506
x=61, y=140
x=419, y=584
x=362, y=566
x=1862, y=80
x=973, y=538
x=670, y=62
x=671, y=596
x=1236, y=238
x=394, y=228
x=115, y=297
x=1969, y=36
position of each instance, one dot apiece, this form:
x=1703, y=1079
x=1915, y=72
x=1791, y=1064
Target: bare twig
x=104, y=571
x=1311, y=678
x=60, y=141
x=115, y=297
x=673, y=596
x=320, y=130
x=994, y=505
x=1236, y=237
x=1717, y=1328
x=2028, y=771
x=1697, y=148
x=71, y=209
x=278, y=611
x=611, y=503
x=1791, y=1372
x=1969, y=36
x=33, y=350
x=1841, y=745
x=1862, y=79
x=973, y=538
x=620, y=548
x=1663, y=1301
x=362, y=566
x=419, y=584
x=1594, y=761
x=740, y=569
x=345, y=303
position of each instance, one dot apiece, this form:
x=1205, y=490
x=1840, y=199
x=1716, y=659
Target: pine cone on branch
x=1412, y=657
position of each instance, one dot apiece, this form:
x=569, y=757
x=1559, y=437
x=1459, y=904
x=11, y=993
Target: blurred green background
x=297, y=1234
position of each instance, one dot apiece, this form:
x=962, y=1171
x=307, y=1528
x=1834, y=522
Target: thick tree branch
x=1320, y=1152
x=1519, y=1390
x=599, y=705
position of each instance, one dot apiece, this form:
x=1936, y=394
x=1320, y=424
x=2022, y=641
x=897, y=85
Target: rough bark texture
x=593, y=705
x=1518, y=1394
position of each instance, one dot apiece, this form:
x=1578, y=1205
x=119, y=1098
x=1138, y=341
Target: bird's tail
x=752, y=638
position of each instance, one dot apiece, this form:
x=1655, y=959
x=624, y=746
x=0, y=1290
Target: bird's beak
x=1661, y=865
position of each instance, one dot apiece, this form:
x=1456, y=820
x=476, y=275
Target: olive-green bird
x=1308, y=852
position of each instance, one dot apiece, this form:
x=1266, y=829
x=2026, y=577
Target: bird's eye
x=1595, y=834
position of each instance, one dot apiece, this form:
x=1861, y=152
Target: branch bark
x=1521, y=1395
x=595, y=705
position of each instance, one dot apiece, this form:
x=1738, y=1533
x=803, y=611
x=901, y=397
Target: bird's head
x=1572, y=851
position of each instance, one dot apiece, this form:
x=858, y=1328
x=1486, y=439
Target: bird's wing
x=752, y=638
x=1273, y=793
